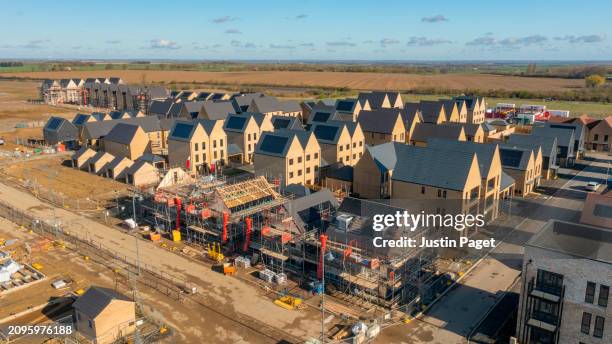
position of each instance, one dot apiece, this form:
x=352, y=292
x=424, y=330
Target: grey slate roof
x=151, y=158
x=218, y=110
x=269, y=142
x=506, y=181
x=548, y=144
x=430, y=110
x=514, y=157
x=95, y=300
x=96, y=130
x=327, y=132
x=385, y=155
x=340, y=172
x=286, y=122
x=432, y=167
x=375, y=99
x=565, y=138
x=160, y=108
x=425, y=131
x=122, y=133
x=194, y=107
x=305, y=210
x=242, y=101
x=484, y=152
x=233, y=149
x=379, y=120
x=448, y=105
x=58, y=129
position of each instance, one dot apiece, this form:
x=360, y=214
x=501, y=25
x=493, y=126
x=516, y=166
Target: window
x=605, y=138
x=299, y=159
x=196, y=147
x=596, y=138
x=340, y=148
x=299, y=173
x=360, y=143
x=204, y=157
x=316, y=155
x=308, y=170
x=249, y=137
x=203, y=145
x=254, y=136
x=197, y=158
x=214, y=143
x=604, y=290
x=340, y=160
x=444, y=194
x=290, y=174
x=439, y=193
x=221, y=154
x=291, y=161
x=316, y=168
x=549, y=282
x=422, y=190
x=215, y=155
x=599, y=327
x=354, y=156
x=589, y=295
x=90, y=323
x=585, y=326
x=354, y=144
x=360, y=154
x=348, y=146
x=221, y=143
x=249, y=147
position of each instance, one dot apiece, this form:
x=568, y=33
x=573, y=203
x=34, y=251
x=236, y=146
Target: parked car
x=592, y=186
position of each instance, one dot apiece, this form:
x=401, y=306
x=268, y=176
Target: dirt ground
x=14, y=107
x=51, y=173
x=361, y=81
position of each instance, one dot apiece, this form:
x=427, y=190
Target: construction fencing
x=126, y=269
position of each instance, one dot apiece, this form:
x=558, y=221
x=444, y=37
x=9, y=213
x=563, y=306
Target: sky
x=307, y=30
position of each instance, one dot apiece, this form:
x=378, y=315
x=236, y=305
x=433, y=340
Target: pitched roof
x=218, y=110
x=235, y=123
x=548, y=144
x=385, y=155
x=449, y=106
x=565, y=138
x=122, y=133
x=96, y=130
x=424, y=131
x=277, y=143
x=430, y=110
x=432, y=167
x=410, y=112
x=286, y=122
x=160, y=107
x=484, y=152
x=375, y=99
x=506, y=181
x=183, y=130
x=327, y=132
x=379, y=120
x=514, y=157
x=95, y=300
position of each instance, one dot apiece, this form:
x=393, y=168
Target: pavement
x=453, y=317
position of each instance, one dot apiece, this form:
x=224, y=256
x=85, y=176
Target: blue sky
x=355, y=30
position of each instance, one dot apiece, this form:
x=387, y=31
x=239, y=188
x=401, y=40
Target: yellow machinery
x=176, y=235
x=215, y=253
x=37, y=266
x=289, y=302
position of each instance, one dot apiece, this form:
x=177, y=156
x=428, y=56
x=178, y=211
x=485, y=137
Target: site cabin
x=117, y=168
x=411, y=116
x=127, y=140
x=81, y=157
x=522, y=165
x=382, y=125
x=102, y=315
x=98, y=162
x=600, y=135
x=59, y=130
x=428, y=173
x=142, y=173
x=372, y=174
x=289, y=156
x=548, y=146
x=425, y=131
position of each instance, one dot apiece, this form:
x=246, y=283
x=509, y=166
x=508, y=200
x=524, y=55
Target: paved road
x=454, y=316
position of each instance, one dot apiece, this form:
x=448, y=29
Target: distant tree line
x=11, y=64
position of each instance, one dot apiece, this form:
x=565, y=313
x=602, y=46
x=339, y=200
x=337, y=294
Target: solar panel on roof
x=281, y=123
x=325, y=132
x=511, y=158
x=273, y=144
x=602, y=210
x=80, y=119
x=54, y=124
x=216, y=96
x=182, y=130
x=345, y=105
x=321, y=117
x=235, y=122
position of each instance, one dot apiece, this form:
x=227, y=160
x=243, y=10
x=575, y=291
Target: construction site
x=302, y=240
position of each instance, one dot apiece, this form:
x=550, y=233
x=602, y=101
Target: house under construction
x=303, y=237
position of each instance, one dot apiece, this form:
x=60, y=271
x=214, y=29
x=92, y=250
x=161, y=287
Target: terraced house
x=288, y=156
x=380, y=100
x=476, y=108
x=243, y=131
x=197, y=145
x=548, y=146
x=340, y=142
x=382, y=125
x=600, y=135
x=524, y=166
x=126, y=140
